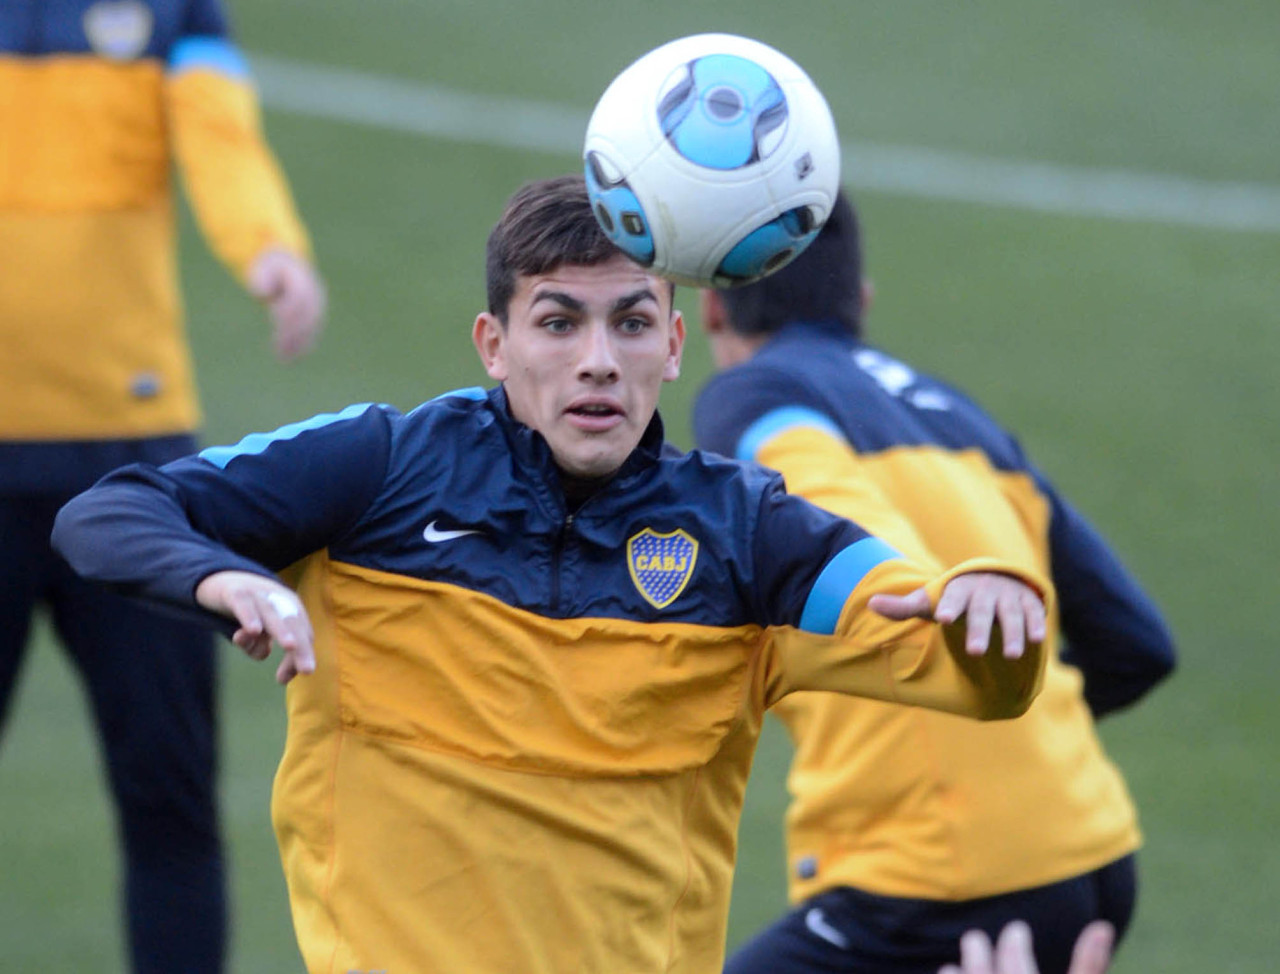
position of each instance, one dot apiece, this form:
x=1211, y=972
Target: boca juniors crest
x=661, y=564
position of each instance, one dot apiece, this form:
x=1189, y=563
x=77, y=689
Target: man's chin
x=591, y=465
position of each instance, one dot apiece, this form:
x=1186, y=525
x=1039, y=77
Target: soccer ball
x=713, y=160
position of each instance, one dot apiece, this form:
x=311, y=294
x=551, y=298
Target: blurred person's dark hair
x=823, y=284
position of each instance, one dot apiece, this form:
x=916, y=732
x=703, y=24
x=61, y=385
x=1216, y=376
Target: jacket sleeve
x=259, y=506
x=835, y=642
x=237, y=191
x=818, y=572
x=1113, y=631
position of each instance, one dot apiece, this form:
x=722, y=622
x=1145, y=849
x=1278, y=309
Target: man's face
x=583, y=356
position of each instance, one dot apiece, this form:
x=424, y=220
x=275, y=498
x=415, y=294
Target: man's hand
x=266, y=611
x=1013, y=954
x=294, y=296
x=983, y=598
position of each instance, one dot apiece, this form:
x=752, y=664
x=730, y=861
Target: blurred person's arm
x=1112, y=630
x=237, y=190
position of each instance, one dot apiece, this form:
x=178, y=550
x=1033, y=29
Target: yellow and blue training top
x=528, y=735
x=898, y=801
x=98, y=100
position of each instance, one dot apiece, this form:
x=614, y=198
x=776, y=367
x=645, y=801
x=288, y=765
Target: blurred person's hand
x=295, y=298
x=1012, y=953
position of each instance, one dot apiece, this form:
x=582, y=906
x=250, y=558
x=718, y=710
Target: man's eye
x=557, y=326
x=633, y=326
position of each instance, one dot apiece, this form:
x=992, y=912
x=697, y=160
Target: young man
x=539, y=641
x=98, y=102
x=903, y=831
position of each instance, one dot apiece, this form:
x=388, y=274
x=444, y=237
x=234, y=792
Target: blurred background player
x=97, y=102
x=908, y=828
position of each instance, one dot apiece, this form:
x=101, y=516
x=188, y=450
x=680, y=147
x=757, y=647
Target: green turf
x=1137, y=361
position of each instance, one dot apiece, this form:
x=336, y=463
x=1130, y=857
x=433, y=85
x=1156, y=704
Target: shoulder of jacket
x=705, y=471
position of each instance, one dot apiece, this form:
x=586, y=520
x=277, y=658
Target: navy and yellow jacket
x=901, y=802
x=98, y=100
x=527, y=738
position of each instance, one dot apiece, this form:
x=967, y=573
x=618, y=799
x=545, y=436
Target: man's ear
x=671, y=368
x=866, y=294
x=711, y=309
x=489, y=336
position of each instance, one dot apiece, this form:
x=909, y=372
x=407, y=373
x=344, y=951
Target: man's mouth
x=594, y=416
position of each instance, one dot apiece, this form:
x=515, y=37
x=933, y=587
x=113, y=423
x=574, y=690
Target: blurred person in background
x=905, y=829
x=98, y=101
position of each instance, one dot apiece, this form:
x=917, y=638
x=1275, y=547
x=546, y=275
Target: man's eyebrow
x=568, y=301
x=558, y=297
x=634, y=298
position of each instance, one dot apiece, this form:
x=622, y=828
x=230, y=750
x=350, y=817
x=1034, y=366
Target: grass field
x=1137, y=358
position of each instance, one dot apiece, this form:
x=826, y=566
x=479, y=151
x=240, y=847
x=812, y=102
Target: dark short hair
x=545, y=224
x=823, y=284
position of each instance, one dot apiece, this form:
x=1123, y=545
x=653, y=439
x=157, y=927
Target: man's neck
x=578, y=490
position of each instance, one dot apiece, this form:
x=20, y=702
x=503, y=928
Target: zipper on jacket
x=556, y=553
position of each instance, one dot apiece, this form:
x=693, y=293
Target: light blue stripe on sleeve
x=474, y=393
x=214, y=53
x=841, y=576
x=256, y=443
x=779, y=421
x=470, y=393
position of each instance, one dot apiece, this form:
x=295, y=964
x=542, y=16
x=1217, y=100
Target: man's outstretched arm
x=205, y=535
x=932, y=639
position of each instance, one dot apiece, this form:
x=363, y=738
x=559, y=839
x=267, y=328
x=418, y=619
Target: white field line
x=516, y=123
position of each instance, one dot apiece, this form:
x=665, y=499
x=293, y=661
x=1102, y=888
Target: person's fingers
x=950, y=969
x=1092, y=953
x=257, y=646
x=979, y=613
x=1033, y=608
x=283, y=608
x=296, y=314
x=272, y=615
x=1013, y=950
x=304, y=657
x=252, y=636
x=293, y=632
x=263, y=279
x=295, y=297
x=954, y=599
x=1012, y=618
x=287, y=669
x=975, y=953
x=912, y=605
x=244, y=609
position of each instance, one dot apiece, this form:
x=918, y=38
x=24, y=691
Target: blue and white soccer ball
x=713, y=160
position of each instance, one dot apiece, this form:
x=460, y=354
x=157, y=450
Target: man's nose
x=599, y=360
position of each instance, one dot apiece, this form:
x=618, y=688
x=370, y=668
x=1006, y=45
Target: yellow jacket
x=91, y=339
